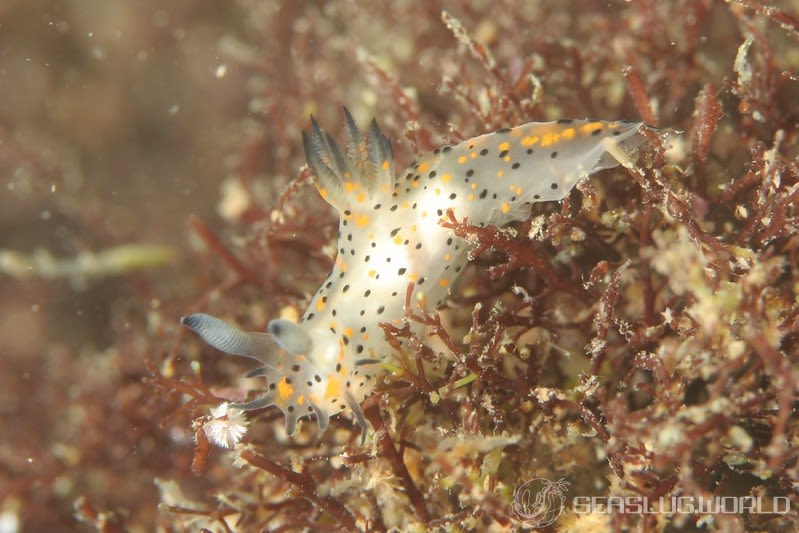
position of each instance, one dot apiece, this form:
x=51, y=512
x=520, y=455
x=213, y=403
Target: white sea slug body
x=390, y=236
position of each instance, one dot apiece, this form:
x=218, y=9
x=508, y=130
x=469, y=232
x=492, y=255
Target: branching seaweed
x=649, y=317
x=641, y=339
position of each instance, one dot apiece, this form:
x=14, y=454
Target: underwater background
x=640, y=339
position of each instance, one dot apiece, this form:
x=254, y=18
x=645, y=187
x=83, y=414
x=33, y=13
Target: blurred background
x=116, y=119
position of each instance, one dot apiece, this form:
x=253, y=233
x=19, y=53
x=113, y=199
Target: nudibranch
x=390, y=235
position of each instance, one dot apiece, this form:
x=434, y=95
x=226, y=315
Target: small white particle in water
x=741, y=66
x=174, y=109
x=235, y=200
x=53, y=187
x=46, y=215
x=742, y=440
x=741, y=212
x=9, y=522
x=35, y=308
x=220, y=72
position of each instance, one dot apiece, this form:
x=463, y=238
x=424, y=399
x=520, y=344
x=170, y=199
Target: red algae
x=636, y=341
